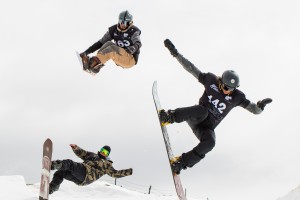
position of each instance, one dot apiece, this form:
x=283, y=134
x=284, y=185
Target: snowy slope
x=292, y=195
x=14, y=188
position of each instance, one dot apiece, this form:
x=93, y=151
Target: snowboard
x=80, y=61
x=46, y=166
x=176, y=177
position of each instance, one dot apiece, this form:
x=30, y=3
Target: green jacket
x=96, y=166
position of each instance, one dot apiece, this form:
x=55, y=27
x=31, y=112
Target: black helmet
x=230, y=79
x=125, y=18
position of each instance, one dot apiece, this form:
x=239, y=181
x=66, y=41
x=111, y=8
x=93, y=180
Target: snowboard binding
x=177, y=165
x=166, y=117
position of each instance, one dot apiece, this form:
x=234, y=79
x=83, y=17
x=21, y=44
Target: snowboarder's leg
x=111, y=51
x=57, y=179
x=76, y=171
x=197, y=113
x=207, y=143
x=95, y=64
x=56, y=164
x=124, y=60
x=68, y=170
x=73, y=177
x=189, y=159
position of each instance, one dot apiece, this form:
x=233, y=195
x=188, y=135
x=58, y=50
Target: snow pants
x=111, y=51
x=198, y=119
x=71, y=171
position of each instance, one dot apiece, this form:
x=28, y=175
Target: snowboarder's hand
x=171, y=47
x=73, y=146
x=131, y=49
x=261, y=104
x=83, y=54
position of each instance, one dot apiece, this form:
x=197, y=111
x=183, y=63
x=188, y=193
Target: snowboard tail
x=176, y=177
x=46, y=167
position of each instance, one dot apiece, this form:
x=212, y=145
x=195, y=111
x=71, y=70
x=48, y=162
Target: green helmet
x=125, y=18
x=230, y=79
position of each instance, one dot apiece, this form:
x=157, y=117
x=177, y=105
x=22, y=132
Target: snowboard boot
x=85, y=61
x=56, y=164
x=53, y=188
x=95, y=64
x=166, y=117
x=177, y=165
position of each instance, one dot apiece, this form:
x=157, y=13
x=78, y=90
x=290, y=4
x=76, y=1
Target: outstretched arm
x=118, y=173
x=187, y=65
x=259, y=106
x=81, y=153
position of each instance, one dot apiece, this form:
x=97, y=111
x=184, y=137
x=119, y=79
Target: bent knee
x=109, y=43
x=110, y=50
x=207, y=144
x=211, y=143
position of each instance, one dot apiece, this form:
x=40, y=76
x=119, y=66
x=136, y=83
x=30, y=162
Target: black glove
x=261, y=104
x=171, y=47
x=131, y=49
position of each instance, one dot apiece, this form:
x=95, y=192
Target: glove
x=84, y=57
x=171, y=47
x=131, y=49
x=261, y=104
x=83, y=54
x=73, y=146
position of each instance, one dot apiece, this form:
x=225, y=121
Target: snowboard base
x=46, y=167
x=171, y=158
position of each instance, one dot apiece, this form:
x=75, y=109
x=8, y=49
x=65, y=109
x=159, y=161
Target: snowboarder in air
x=219, y=97
x=124, y=51
x=94, y=166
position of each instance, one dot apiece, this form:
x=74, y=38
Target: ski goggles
x=227, y=88
x=104, y=152
x=121, y=21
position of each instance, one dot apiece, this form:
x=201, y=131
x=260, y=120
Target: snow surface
x=15, y=188
x=293, y=195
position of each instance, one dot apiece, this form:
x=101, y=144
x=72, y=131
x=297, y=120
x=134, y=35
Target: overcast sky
x=44, y=92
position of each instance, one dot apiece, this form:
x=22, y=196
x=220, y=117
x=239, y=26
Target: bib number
x=124, y=43
x=216, y=102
